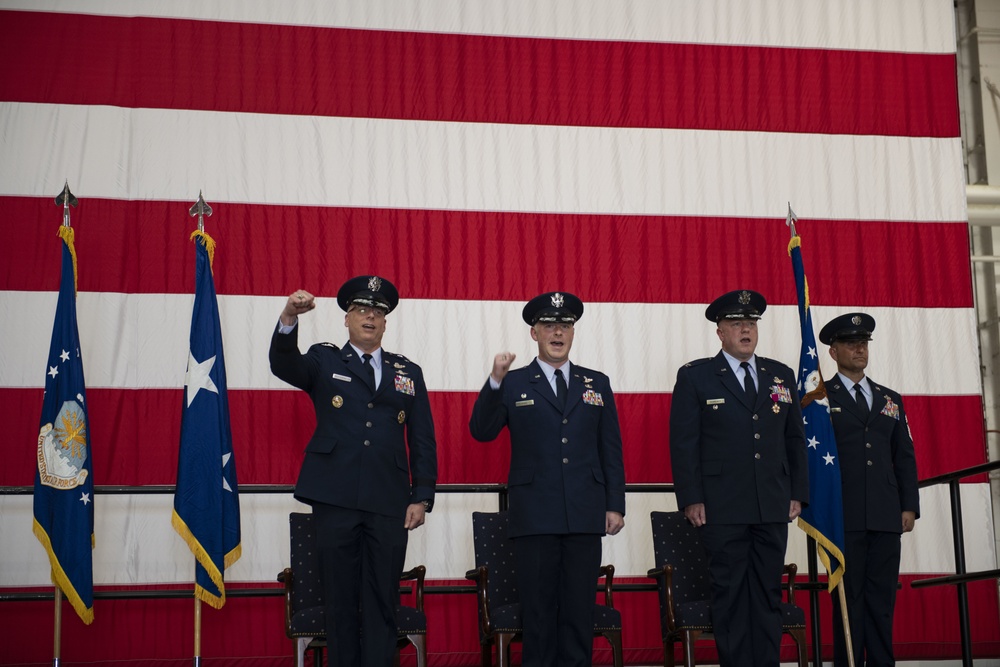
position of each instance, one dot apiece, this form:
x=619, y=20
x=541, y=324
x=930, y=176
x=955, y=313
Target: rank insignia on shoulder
x=337, y=401
x=330, y=345
x=401, y=417
x=591, y=397
x=524, y=404
x=780, y=394
x=890, y=409
x=404, y=385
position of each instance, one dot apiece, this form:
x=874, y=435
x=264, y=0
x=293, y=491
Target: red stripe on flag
x=436, y=254
x=185, y=64
x=135, y=436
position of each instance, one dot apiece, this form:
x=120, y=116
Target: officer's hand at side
x=794, y=510
x=695, y=514
x=414, y=516
x=300, y=301
x=909, y=518
x=613, y=523
x=501, y=364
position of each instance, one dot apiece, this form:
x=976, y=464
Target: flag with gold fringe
x=64, y=485
x=823, y=519
x=206, y=502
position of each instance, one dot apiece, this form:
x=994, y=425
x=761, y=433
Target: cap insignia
x=374, y=283
x=856, y=320
x=557, y=300
x=744, y=298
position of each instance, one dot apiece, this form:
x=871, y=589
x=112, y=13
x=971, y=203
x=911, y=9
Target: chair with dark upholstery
x=499, y=603
x=305, y=616
x=685, y=591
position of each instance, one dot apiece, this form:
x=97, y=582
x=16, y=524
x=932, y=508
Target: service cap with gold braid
x=371, y=291
x=553, y=307
x=852, y=326
x=743, y=304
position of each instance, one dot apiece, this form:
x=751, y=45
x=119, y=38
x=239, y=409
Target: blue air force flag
x=64, y=486
x=823, y=519
x=206, y=503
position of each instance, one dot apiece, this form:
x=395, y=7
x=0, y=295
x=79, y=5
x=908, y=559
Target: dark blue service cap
x=743, y=304
x=852, y=326
x=553, y=307
x=368, y=291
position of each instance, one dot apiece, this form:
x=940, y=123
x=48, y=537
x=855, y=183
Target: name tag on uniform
x=522, y=404
x=338, y=376
x=832, y=409
x=715, y=401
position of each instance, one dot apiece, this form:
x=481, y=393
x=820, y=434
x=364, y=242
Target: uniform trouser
x=870, y=576
x=745, y=565
x=362, y=556
x=556, y=579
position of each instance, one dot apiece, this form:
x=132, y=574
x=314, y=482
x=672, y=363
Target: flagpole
x=56, y=643
x=64, y=199
x=197, y=630
x=847, y=625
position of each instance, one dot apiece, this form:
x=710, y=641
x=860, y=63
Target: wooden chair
x=305, y=612
x=685, y=591
x=499, y=603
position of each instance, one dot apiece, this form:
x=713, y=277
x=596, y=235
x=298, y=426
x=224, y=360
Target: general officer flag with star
x=64, y=485
x=206, y=502
x=823, y=519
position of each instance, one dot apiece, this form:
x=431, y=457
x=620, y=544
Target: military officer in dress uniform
x=738, y=454
x=566, y=481
x=365, y=490
x=879, y=480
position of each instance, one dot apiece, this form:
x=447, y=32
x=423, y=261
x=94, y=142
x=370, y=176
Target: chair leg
x=799, y=635
x=668, y=653
x=688, y=639
x=420, y=644
x=503, y=649
x=487, y=654
x=300, y=650
x=614, y=638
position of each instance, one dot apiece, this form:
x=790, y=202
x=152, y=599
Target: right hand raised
x=299, y=302
x=501, y=364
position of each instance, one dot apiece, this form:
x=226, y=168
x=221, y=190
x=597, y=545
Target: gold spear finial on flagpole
x=200, y=209
x=66, y=199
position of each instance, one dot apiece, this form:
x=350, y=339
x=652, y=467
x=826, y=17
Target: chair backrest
x=308, y=590
x=494, y=550
x=676, y=542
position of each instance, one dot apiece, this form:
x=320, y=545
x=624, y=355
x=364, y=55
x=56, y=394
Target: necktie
x=748, y=381
x=561, y=390
x=369, y=369
x=859, y=396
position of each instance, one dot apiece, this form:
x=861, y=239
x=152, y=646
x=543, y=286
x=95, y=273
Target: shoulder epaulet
x=698, y=362
x=330, y=345
x=768, y=360
x=396, y=355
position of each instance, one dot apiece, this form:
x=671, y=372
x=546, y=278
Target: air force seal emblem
x=62, y=448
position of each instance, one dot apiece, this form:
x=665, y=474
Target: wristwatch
x=426, y=504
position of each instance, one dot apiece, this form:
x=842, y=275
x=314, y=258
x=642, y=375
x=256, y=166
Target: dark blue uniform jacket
x=878, y=467
x=358, y=456
x=745, y=460
x=566, y=468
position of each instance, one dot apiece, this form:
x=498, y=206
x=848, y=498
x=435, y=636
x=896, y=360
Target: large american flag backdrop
x=640, y=154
